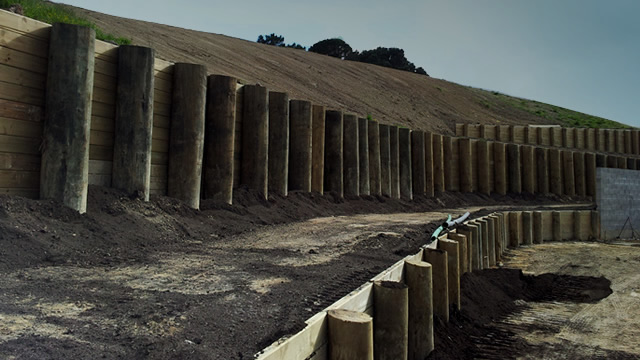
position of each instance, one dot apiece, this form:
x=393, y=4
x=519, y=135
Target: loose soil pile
x=159, y=280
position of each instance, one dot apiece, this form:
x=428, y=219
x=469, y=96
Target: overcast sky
x=579, y=54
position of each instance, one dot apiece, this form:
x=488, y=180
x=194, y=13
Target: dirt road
x=158, y=280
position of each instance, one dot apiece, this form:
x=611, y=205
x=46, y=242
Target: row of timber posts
x=401, y=324
x=285, y=145
x=620, y=141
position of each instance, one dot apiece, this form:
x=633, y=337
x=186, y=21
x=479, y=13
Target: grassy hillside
x=388, y=95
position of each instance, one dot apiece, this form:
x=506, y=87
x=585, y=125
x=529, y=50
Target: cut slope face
x=390, y=96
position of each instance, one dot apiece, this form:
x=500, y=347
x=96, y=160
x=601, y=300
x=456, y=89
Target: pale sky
x=579, y=54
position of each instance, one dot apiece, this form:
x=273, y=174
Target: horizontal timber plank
x=22, y=60
x=159, y=133
x=103, y=110
x=104, y=96
x=163, y=84
x=159, y=171
x=19, y=179
x=161, y=121
x=20, y=162
x=98, y=152
x=21, y=94
x=161, y=96
x=13, y=127
x=33, y=193
x=106, y=51
x=106, y=67
x=19, y=145
x=21, y=111
x=21, y=77
x=24, y=24
x=100, y=167
x=159, y=158
x=101, y=138
x=102, y=124
x=99, y=179
x=105, y=82
x=17, y=40
x=158, y=145
x=161, y=109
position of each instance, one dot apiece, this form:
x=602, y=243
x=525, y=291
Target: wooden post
x=333, y=161
x=544, y=136
x=476, y=246
x=300, y=145
x=429, y=188
x=390, y=320
x=459, y=129
x=517, y=134
x=556, y=183
x=418, y=162
x=418, y=276
x=579, y=138
x=568, y=137
x=462, y=247
x=580, y=173
x=452, y=154
x=64, y=168
x=350, y=335
x=278, y=145
x=557, y=226
x=500, y=167
x=134, y=121
x=394, y=151
x=255, y=138
x=438, y=260
x=465, y=231
x=482, y=149
x=627, y=142
x=595, y=225
x=504, y=133
x=515, y=237
x=438, y=164
x=186, y=143
x=496, y=241
x=591, y=139
x=590, y=173
x=491, y=245
x=542, y=167
x=466, y=177
x=474, y=165
x=582, y=225
x=601, y=140
x=528, y=169
x=612, y=161
x=610, y=140
x=556, y=137
x=363, y=153
x=537, y=227
x=513, y=158
x=385, y=160
x=619, y=141
x=569, y=175
x=484, y=244
x=317, y=149
x=453, y=270
x=219, y=138
x=351, y=167
x=375, y=183
x=406, y=182
x=527, y=227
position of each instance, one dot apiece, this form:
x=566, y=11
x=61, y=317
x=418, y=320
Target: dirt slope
x=391, y=96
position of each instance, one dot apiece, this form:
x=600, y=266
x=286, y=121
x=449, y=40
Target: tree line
x=383, y=56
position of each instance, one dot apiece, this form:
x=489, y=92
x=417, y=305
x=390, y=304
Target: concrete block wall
x=618, y=201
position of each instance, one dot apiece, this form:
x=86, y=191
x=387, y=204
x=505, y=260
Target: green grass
x=52, y=13
x=568, y=118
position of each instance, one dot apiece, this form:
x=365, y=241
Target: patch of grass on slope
x=51, y=13
x=550, y=113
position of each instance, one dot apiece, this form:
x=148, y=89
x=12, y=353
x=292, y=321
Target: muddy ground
x=159, y=280
x=573, y=301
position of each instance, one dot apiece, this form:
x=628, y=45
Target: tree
x=389, y=57
x=273, y=39
x=333, y=47
x=296, y=46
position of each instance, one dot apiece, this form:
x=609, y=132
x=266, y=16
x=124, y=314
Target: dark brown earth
x=159, y=280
